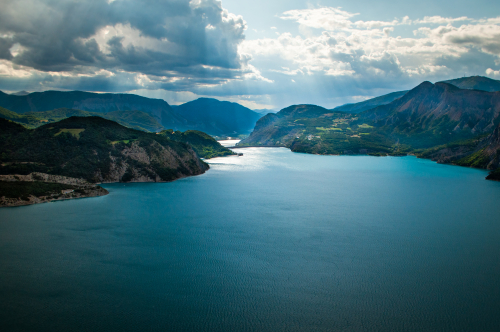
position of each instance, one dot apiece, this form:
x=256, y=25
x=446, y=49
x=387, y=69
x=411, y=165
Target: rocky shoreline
x=49, y=189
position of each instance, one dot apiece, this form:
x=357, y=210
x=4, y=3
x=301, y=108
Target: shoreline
x=98, y=191
x=368, y=155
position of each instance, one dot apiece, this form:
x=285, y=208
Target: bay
x=269, y=241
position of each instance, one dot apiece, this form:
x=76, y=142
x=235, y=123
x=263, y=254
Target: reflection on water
x=269, y=241
x=229, y=142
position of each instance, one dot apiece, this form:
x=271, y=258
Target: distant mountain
x=476, y=83
x=93, y=102
x=264, y=111
x=204, y=114
x=135, y=119
x=132, y=119
x=20, y=93
x=97, y=150
x=370, y=103
x=218, y=117
x=433, y=114
x=473, y=82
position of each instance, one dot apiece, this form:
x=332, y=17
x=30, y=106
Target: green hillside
x=132, y=119
x=204, y=145
x=95, y=149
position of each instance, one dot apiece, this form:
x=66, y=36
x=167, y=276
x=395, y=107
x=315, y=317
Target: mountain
x=436, y=121
x=473, y=82
x=433, y=114
x=264, y=111
x=20, y=93
x=205, y=145
x=29, y=121
x=93, y=102
x=314, y=129
x=132, y=119
x=218, y=117
x=135, y=119
x=480, y=152
x=370, y=103
x=476, y=83
x=215, y=117
x=96, y=150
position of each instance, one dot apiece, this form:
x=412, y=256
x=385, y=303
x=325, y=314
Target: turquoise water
x=271, y=241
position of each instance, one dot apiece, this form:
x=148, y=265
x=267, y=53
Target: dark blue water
x=271, y=241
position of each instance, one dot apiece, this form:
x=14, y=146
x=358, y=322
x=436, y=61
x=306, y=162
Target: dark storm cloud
x=195, y=40
x=5, y=45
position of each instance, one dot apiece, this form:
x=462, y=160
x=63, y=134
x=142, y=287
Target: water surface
x=271, y=241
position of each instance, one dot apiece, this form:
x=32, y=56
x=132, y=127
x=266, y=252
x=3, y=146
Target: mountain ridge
x=475, y=83
x=217, y=117
x=92, y=102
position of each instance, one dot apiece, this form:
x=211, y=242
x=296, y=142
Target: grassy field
x=326, y=129
x=75, y=132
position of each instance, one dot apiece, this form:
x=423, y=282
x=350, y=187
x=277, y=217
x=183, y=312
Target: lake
x=269, y=241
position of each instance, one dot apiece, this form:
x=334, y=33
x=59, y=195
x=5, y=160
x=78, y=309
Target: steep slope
x=218, y=117
x=93, y=102
x=204, y=145
x=476, y=83
x=370, y=103
x=95, y=149
x=480, y=152
x=314, y=129
x=433, y=114
x=29, y=121
x=135, y=119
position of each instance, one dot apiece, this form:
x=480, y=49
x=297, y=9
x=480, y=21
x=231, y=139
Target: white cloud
x=491, y=72
x=441, y=20
x=363, y=48
x=321, y=18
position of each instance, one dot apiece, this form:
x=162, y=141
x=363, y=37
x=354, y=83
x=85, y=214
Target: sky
x=260, y=53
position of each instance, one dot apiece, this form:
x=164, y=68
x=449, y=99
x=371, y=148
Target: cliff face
x=152, y=163
x=492, y=149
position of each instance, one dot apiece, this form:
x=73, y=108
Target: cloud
x=441, y=20
x=354, y=57
x=491, y=72
x=192, y=42
x=197, y=48
x=326, y=18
